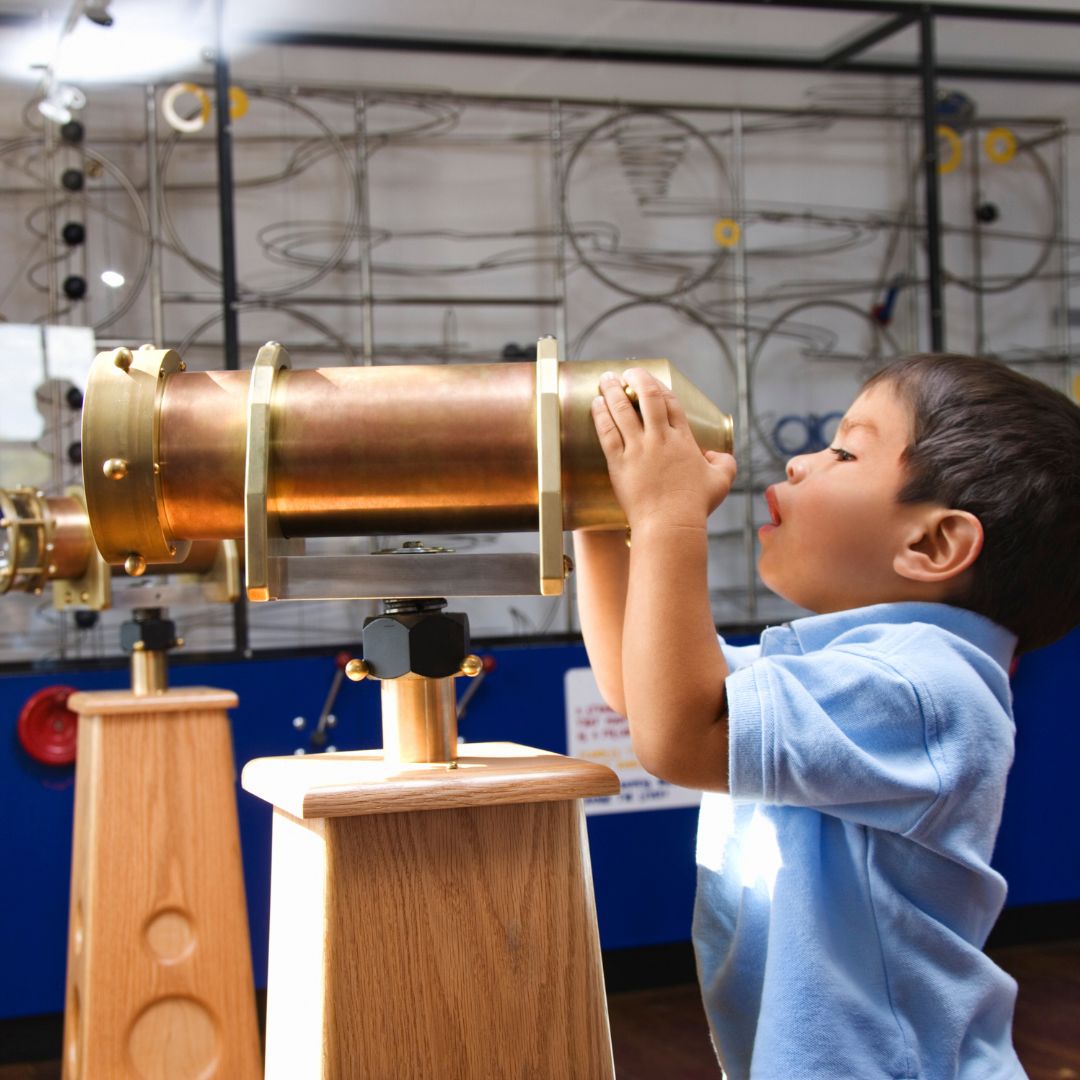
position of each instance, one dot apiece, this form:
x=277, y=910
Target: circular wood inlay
x=174, y=1038
x=170, y=935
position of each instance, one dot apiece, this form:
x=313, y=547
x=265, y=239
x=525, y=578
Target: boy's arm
x=602, y=563
x=673, y=670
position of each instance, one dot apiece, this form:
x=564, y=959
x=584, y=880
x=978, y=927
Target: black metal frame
x=840, y=58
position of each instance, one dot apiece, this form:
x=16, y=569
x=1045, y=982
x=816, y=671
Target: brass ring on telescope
x=121, y=424
x=258, y=526
x=549, y=467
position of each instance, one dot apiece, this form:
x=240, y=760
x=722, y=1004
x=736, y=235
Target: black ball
x=74, y=453
x=74, y=233
x=74, y=398
x=73, y=179
x=987, y=212
x=74, y=287
x=72, y=132
x=86, y=620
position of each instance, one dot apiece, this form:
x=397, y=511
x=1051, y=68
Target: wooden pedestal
x=433, y=921
x=159, y=980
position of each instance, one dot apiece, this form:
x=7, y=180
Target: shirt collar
x=818, y=631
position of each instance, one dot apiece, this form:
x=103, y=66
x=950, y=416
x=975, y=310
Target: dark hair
x=1006, y=448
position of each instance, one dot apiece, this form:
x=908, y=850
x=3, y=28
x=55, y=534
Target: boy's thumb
x=716, y=457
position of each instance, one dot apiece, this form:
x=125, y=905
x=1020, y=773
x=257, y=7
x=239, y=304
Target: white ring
x=175, y=120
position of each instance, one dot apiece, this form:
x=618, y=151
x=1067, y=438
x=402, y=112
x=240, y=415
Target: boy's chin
x=807, y=599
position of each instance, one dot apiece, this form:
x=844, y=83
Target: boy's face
x=836, y=523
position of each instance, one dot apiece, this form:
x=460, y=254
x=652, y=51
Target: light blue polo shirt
x=845, y=888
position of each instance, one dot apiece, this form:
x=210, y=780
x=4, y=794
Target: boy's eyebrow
x=848, y=424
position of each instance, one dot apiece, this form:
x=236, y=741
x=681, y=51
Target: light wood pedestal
x=159, y=979
x=431, y=921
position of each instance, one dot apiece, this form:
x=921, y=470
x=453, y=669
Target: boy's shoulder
x=937, y=647
x=906, y=627
x=943, y=655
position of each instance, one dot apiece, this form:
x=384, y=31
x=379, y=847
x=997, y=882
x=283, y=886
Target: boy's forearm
x=673, y=668
x=602, y=563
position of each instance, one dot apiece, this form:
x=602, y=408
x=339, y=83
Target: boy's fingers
x=723, y=463
x=675, y=413
x=619, y=406
x=650, y=394
x=607, y=431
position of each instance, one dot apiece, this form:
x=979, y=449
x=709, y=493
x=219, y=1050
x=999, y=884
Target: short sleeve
x=838, y=730
x=737, y=656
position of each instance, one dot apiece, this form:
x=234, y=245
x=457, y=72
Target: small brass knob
x=135, y=565
x=356, y=670
x=115, y=468
x=122, y=359
x=472, y=665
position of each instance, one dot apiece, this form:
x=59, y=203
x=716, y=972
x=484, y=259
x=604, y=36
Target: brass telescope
x=276, y=456
x=46, y=539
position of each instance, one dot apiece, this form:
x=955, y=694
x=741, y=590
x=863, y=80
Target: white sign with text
x=595, y=732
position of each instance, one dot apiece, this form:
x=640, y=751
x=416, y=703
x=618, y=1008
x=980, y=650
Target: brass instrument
x=276, y=456
x=47, y=540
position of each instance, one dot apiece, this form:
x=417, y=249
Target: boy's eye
x=841, y=454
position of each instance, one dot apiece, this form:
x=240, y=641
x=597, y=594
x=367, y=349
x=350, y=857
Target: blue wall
x=643, y=863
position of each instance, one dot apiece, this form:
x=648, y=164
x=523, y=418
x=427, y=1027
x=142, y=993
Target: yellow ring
x=175, y=120
x=1000, y=145
x=950, y=163
x=726, y=232
x=238, y=103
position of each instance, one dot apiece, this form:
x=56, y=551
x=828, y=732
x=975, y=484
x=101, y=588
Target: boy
x=845, y=891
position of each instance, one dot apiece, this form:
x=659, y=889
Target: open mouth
x=774, y=505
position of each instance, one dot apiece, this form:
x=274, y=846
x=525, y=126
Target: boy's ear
x=940, y=546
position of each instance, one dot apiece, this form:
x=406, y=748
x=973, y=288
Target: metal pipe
x=976, y=247
x=226, y=200
x=419, y=720
x=928, y=77
x=1071, y=386
x=149, y=672
x=226, y=193
x=308, y=300
x=362, y=195
x=153, y=196
x=742, y=362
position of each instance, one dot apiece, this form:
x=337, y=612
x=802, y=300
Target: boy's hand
x=659, y=473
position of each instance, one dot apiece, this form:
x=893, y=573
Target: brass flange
x=121, y=456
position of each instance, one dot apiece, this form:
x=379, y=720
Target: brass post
x=419, y=720
x=149, y=672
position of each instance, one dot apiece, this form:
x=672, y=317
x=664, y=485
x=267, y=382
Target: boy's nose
x=796, y=469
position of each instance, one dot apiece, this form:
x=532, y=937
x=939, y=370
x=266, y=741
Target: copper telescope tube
x=393, y=449
x=385, y=449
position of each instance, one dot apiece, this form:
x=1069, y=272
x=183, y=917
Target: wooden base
x=159, y=980
x=430, y=921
